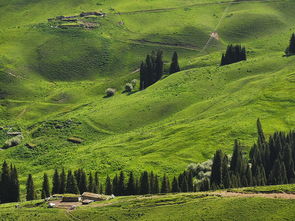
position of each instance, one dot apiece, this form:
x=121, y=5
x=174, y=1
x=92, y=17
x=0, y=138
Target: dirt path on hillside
x=222, y=194
x=264, y=195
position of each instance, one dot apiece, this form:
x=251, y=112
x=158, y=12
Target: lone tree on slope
x=291, y=48
x=174, y=67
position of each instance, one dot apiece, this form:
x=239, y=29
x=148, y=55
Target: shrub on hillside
x=128, y=87
x=134, y=82
x=110, y=92
x=13, y=141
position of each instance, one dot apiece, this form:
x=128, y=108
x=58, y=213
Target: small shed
x=93, y=196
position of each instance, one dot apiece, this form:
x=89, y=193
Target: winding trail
x=216, y=28
x=264, y=195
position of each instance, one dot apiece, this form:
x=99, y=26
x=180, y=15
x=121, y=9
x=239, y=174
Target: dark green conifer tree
x=116, y=185
x=291, y=48
x=62, y=186
x=121, y=184
x=216, y=173
x=156, y=184
x=175, y=186
x=249, y=176
x=131, y=186
x=109, y=187
x=174, y=67
x=159, y=66
x=5, y=184
x=55, y=182
x=90, y=183
x=71, y=186
x=96, y=183
x=45, y=187
x=144, y=183
x=82, y=185
x=15, y=195
x=165, y=187
x=30, y=188
x=225, y=173
x=289, y=163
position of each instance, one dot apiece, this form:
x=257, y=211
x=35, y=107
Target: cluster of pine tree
x=233, y=54
x=74, y=182
x=148, y=183
x=152, y=69
x=291, y=48
x=9, y=184
x=270, y=162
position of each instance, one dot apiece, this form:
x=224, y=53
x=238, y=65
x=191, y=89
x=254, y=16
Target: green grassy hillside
x=184, y=206
x=52, y=82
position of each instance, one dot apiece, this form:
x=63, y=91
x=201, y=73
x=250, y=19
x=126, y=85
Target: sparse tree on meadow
x=174, y=67
x=45, y=187
x=31, y=195
x=55, y=182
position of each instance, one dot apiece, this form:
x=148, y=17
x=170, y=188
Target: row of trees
x=270, y=162
x=152, y=69
x=233, y=54
x=148, y=183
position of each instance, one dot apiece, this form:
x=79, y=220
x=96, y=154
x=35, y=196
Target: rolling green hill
x=52, y=82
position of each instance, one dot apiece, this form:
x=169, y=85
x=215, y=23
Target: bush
x=134, y=82
x=13, y=141
x=128, y=87
x=110, y=92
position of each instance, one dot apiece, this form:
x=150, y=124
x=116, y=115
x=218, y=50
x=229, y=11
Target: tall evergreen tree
x=62, y=186
x=5, y=184
x=249, y=176
x=174, y=67
x=116, y=185
x=96, y=183
x=109, y=188
x=156, y=184
x=90, y=183
x=55, y=182
x=71, y=186
x=82, y=185
x=159, y=66
x=216, y=173
x=225, y=173
x=131, y=186
x=45, y=187
x=261, y=137
x=165, y=187
x=184, y=185
x=30, y=188
x=121, y=184
x=291, y=48
x=15, y=195
x=144, y=183
x=175, y=186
